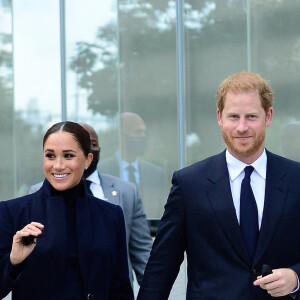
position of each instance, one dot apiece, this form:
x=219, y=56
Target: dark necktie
x=248, y=213
x=131, y=174
x=87, y=186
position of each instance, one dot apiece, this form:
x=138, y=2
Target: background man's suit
x=153, y=184
x=200, y=219
x=139, y=242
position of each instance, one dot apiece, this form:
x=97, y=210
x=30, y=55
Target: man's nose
x=242, y=126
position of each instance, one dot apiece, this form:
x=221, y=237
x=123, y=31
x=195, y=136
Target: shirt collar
x=236, y=167
x=125, y=164
x=94, y=177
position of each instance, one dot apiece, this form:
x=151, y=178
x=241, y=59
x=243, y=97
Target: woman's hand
x=19, y=251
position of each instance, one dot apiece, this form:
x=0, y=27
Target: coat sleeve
x=6, y=236
x=140, y=241
x=121, y=288
x=168, y=249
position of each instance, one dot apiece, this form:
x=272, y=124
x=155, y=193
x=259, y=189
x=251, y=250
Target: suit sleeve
x=6, y=236
x=35, y=187
x=168, y=249
x=121, y=287
x=32, y=189
x=296, y=269
x=140, y=241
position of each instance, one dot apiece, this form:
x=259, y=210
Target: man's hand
x=280, y=283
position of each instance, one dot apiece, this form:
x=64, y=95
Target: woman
x=78, y=250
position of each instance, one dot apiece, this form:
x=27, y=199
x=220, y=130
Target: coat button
x=253, y=271
x=90, y=297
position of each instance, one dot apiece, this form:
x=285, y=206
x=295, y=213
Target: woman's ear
x=89, y=160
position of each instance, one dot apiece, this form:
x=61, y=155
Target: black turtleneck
x=73, y=283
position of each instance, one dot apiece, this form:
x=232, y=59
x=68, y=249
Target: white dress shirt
x=95, y=186
x=257, y=181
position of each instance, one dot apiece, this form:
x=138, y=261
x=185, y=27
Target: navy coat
x=200, y=219
x=101, y=247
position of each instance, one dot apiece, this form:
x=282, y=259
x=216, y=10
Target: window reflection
x=291, y=141
x=121, y=57
x=7, y=167
x=130, y=165
x=130, y=65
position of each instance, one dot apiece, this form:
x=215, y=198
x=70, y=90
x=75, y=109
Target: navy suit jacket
x=101, y=247
x=200, y=219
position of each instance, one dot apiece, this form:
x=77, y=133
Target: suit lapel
x=140, y=186
x=220, y=197
x=111, y=194
x=219, y=194
x=275, y=198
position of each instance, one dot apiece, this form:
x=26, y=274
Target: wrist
x=13, y=261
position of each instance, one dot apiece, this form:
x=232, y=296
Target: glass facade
x=127, y=60
x=144, y=74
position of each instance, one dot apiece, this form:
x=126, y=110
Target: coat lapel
x=55, y=232
x=219, y=194
x=84, y=236
x=275, y=198
x=111, y=193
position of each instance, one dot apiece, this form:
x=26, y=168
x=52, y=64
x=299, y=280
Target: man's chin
x=241, y=151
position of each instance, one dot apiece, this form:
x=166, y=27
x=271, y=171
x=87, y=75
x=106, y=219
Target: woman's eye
x=68, y=155
x=49, y=155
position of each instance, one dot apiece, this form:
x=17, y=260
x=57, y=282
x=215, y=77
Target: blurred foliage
x=138, y=56
x=19, y=148
x=131, y=66
x=20, y=142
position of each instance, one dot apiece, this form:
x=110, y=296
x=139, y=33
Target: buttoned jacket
x=101, y=239
x=200, y=219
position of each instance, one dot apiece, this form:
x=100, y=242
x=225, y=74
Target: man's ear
x=269, y=117
x=219, y=116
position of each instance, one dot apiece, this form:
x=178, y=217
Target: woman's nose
x=58, y=164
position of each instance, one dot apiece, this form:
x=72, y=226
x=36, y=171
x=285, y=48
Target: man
x=229, y=225
x=149, y=178
x=125, y=194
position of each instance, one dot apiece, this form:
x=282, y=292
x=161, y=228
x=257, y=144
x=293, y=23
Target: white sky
x=37, y=49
